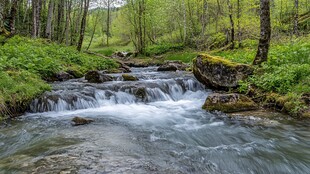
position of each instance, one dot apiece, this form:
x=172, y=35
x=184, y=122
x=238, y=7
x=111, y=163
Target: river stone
x=81, y=121
x=229, y=103
x=218, y=73
x=97, y=77
x=173, y=66
x=128, y=77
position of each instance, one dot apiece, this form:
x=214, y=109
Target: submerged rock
x=173, y=66
x=97, y=77
x=81, y=121
x=218, y=73
x=128, y=77
x=229, y=103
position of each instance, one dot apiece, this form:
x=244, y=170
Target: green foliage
x=43, y=58
x=108, y=51
x=163, y=48
x=18, y=88
x=282, y=79
x=184, y=56
x=25, y=62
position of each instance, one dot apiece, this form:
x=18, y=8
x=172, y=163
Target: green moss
x=128, y=77
x=229, y=105
x=217, y=60
x=18, y=89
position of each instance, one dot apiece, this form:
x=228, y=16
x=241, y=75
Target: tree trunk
x=108, y=23
x=232, y=25
x=68, y=19
x=94, y=30
x=36, y=14
x=60, y=21
x=1, y=17
x=34, y=21
x=77, y=25
x=13, y=16
x=83, y=24
x=184, y=24
x=238, y=24
x=265, y=34
x=296, y=18
x=48, y=31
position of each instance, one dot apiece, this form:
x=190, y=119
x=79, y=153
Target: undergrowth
x=287, y=71
x=25, y=62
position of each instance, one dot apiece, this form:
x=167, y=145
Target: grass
x=108, y=51
x=24, y=63
x=185, y=56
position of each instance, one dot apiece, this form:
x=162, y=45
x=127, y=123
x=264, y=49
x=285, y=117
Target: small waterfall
x=74, y=96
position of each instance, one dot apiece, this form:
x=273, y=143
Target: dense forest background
x=200, y=24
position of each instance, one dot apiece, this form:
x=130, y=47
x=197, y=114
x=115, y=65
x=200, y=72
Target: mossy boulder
x=77, y=121
x=97, y=77
x=219, y=73
x=128, y=77
x=229, y=103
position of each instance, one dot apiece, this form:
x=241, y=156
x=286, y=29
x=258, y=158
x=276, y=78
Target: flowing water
x=154, y=125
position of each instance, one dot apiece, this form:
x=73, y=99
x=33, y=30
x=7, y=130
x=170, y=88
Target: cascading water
x=154, y=125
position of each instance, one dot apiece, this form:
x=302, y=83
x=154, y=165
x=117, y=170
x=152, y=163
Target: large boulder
x=218, y=73
x=97, y=77
x=173, y=66
x=229, y=103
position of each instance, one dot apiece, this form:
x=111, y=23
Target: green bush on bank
x=44, y=58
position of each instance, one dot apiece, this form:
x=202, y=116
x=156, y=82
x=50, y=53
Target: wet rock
x=173, y=66
x=81, y=121
x=75, y=73
x=229, y=103
x=63, y=76
x=97, y=77
x=128, y=77
x=124, y=68
x=141, y=93
x=60, y=76
x=218, y=73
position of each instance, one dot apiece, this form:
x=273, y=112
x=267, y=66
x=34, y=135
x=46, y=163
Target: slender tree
x=238, y=23
x=2, y=30
x=48, y=30
x=296, y=6
x=265, y=33
x=13, y=16
x=83, y=25
x=232, y=25
x=36, y=17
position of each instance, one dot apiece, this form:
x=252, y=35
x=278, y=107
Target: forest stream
x=154, y=125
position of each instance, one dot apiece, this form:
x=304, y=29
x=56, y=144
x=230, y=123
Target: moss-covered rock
x=218, y=73
x=229, y=103
x=97, y=77
x=128, y=77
